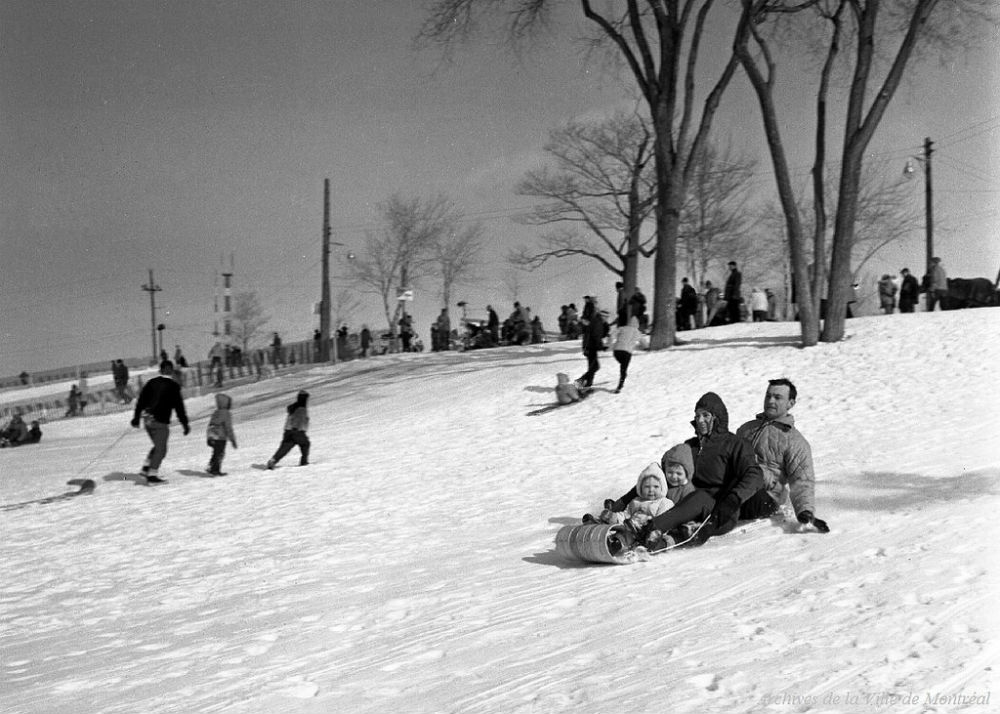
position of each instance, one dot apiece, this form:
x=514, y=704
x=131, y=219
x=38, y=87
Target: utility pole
x=152, y=288
x=929, y=214
x=324, y=309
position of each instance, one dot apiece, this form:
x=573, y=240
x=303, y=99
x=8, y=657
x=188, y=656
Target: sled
x=595, y=543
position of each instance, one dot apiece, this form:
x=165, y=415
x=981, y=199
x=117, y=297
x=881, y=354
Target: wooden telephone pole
x=152, y=288
x=929, y=214
x=324, y=309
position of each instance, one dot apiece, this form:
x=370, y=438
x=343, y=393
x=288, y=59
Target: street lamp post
x=928, y=209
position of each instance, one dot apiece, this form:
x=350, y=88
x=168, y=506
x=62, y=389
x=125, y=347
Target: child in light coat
x=566, y=391
x=220, y=430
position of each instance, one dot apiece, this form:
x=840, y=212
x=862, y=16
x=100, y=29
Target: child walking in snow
x=296, y=425
x=220, y=430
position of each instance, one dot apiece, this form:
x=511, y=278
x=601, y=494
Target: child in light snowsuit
x=676, y=467
x=220, y=430
x=650, y=500
x=566, y=391
x=296, y=426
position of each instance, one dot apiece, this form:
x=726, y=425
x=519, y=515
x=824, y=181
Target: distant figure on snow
x=73, y=402
x=887, y=294
x=909, y=291
x=733, y=294
x=296, y=426
x=220, y=430
x=16, y=432
x=626, y=338
x=566, y=391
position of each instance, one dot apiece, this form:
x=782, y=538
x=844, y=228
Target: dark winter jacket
x=909, y=291
x=593, y=333
x=723, y=462
x=785, y=460
x=734, y=286
x=689, y=298
x=160, y=396
x=298, y=415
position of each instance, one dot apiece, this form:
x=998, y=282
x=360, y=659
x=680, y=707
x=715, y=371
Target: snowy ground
x=410, y=568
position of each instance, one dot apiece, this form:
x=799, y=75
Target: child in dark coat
x=296, y=426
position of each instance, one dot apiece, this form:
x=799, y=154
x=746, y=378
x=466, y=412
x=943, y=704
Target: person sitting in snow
x=566, y=391
x=725, y=475
x=677, y=467
x=34, y=433
x=785, y=459
x=296, y=426
x=15, y=433
x=220, y=430
x=651, y=500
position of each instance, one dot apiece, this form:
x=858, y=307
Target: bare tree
x=659, y=41
x=248, y=317
x=715, y=222
x=344, y=305
x=602, y=182
x=456, y=254
x=402, y=252
x=884, y=37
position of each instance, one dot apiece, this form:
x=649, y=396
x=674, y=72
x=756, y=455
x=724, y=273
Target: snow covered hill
x=410, y=567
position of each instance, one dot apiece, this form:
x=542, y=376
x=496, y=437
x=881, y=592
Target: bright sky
x=166, y=135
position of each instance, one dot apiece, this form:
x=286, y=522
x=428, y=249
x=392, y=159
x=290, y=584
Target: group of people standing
x=935, y=283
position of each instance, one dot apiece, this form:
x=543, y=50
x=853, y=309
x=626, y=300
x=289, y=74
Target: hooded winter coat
x=679, y=454
x=298, y=415
x=220, y=424
x=785, y=459
x=723, y=462
x=638, y=506
x=566, y=391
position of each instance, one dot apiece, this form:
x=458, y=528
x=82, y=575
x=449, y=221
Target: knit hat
x=303, y=394
x=655, y=471
x=679, y=454
x=712, y=403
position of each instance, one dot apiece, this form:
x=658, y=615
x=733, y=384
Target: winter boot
x=271, y=464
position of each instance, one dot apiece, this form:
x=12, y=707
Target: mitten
x=135, y=422
x=725, y=509
x=807, y=517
